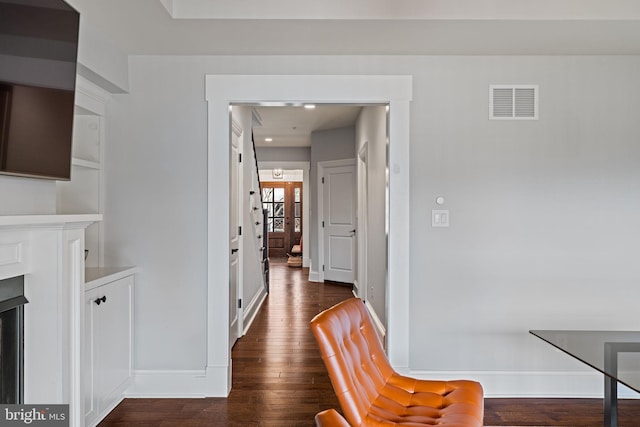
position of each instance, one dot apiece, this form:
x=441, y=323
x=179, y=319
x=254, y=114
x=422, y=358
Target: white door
x=234, y=237
x=339, y=216
x=114, y=326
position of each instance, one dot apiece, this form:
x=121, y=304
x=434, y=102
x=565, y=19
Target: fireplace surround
x=48, y=250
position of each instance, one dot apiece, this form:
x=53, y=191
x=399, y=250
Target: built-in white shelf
x=40, y=220
x=89, y=164
x=98, y=276
x=84, y=192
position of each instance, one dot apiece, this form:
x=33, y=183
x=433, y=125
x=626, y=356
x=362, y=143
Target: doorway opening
x=283, y=203
x=224, y=90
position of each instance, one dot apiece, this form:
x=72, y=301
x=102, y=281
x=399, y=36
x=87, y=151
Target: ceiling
x=292, y=126
x=385, y=27
x=362, y=27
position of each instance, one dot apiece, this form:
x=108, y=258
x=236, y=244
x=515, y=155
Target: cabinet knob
x=98, y=301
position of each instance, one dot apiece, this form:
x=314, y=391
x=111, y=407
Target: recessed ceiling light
x=268, y=139
x=309, y=106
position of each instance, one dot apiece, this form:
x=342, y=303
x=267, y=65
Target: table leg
x=611, y=350
x=610, y=402
x=611, y=385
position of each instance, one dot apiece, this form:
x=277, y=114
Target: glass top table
x=614, y=353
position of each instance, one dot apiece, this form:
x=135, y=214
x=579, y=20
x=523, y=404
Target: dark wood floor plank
x=279, y=379
x=557, y=412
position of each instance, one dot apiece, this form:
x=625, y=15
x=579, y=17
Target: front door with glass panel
x=283, y=202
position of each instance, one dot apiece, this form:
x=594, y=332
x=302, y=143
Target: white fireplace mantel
x=66, y=221
x=48, y=250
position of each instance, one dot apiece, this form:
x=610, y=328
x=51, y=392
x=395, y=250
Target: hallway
x=279, y=379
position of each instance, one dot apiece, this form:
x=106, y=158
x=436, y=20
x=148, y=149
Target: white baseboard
x=511, y=384
x=252, y=309
x=314, y=276
x=504, y=384
x=210, y=382
x=111, y=407
x=382, y=331
x=306, y=261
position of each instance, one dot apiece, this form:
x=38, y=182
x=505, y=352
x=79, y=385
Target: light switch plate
x=440, y=218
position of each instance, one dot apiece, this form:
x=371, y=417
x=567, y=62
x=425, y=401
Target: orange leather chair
x=371, y=393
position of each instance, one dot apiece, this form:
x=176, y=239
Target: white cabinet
x=107, y=322
x=108, y=340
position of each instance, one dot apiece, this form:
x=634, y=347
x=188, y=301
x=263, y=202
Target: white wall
x=371, y=128
x=283, y=154
x=293, y=175
x=544, y=214
x=334, y=144
x=27, y=196
x=156, y=212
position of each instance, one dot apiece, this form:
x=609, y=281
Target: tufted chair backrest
x=353, y=355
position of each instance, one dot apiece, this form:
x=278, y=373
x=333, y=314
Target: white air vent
x=513, y=102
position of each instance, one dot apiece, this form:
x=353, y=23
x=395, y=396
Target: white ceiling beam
x=405, y=9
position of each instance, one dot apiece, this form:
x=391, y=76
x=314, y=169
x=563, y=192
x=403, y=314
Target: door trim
x=223, y=90
x=362, y=222
x=320, y=239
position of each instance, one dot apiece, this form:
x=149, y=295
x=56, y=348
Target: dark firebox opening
x=12, y=302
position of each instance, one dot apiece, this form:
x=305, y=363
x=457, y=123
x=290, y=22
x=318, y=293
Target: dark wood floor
x=279, y=379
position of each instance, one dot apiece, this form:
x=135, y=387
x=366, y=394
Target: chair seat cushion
x=407, y=401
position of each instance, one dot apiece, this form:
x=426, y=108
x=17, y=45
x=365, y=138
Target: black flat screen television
x=38, y=54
